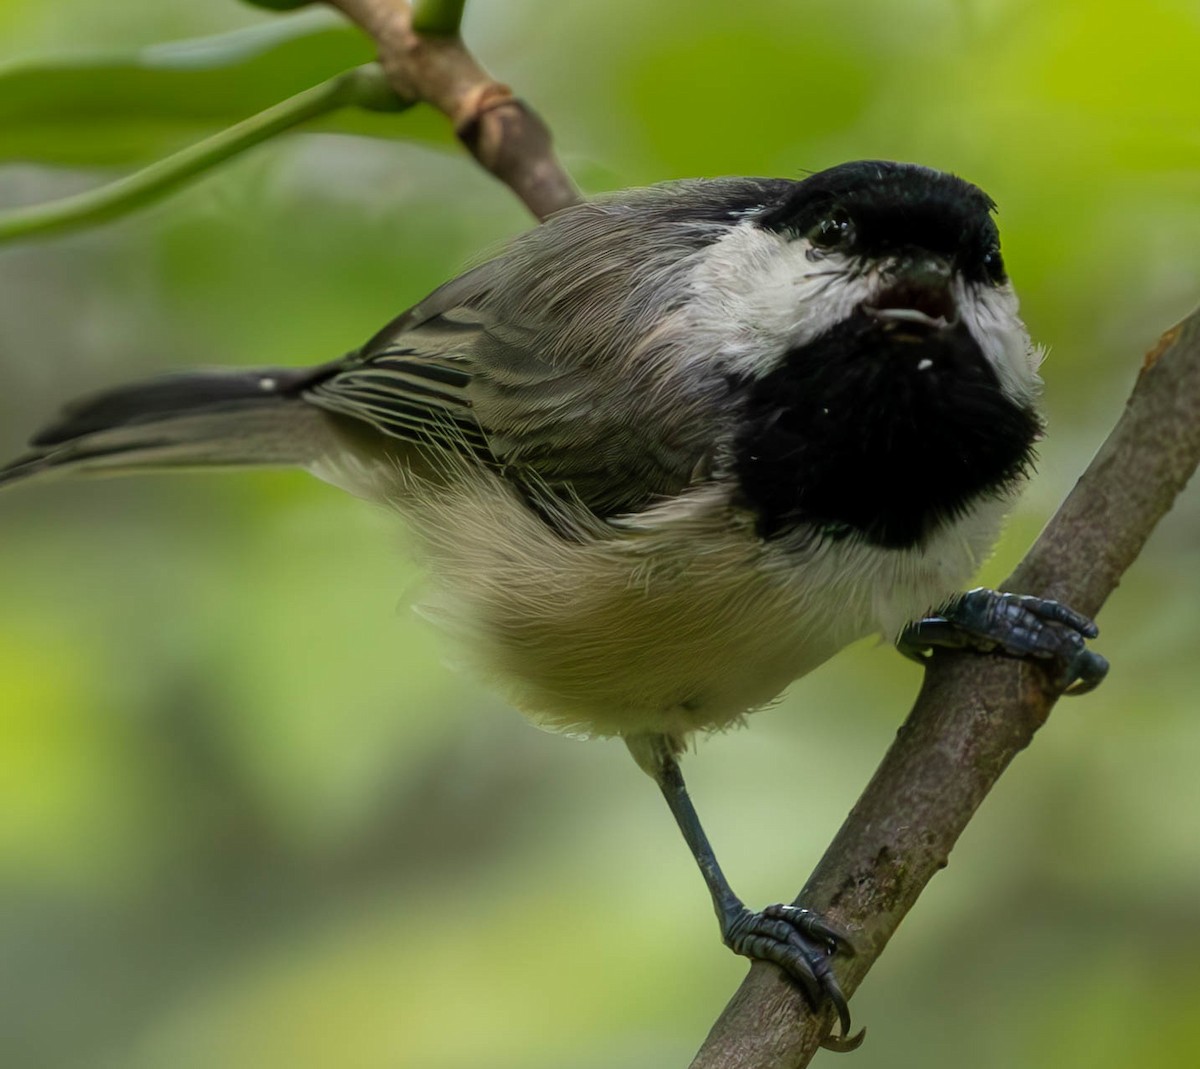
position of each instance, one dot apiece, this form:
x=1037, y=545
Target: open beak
x=919, y=297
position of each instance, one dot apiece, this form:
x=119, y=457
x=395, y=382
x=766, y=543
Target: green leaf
x=364, y=87
x=137, y=106
x=440, y=18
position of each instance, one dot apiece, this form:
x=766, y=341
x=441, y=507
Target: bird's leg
x=797, y=940
x=1016, y=624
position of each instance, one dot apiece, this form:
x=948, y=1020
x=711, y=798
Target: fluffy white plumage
x=681, y=618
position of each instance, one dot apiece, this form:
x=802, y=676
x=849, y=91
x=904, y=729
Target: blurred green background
x=249, y=818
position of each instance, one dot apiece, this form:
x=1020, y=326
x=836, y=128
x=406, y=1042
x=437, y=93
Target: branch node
x=1165, y=341
x=425, y=59
x=476, y=103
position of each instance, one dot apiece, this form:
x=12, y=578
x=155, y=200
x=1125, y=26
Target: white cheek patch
x=756, y=294
x=991, y=315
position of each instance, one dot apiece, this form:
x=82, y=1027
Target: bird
x=668, y=452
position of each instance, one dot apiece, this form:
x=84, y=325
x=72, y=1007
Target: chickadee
x=670, y=451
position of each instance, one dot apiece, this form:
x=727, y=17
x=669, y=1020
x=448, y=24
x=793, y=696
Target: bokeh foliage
x=248, y=818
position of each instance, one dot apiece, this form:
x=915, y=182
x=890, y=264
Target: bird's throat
x=884, y=434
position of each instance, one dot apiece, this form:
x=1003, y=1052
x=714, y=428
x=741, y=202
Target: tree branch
x=975, y=713
x=503, y=133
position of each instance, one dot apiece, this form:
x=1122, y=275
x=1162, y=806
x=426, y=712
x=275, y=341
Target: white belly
x=678, y=621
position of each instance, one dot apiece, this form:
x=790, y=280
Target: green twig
x=362, y=87
x=437, y=18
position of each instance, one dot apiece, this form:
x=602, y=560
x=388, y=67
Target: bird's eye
x=837, y=228
x=993, y=264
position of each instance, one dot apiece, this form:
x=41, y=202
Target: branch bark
x=503, y=133
x=974, y=714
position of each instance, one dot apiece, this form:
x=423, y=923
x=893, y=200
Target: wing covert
x=568, y=372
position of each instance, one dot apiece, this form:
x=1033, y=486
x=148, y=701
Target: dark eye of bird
x=993, y=264
x=837, y=228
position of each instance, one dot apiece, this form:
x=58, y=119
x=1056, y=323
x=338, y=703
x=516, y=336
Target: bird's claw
x=801, y=943
x=1017, y=624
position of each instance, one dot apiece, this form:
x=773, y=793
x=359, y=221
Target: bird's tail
x=189, y=420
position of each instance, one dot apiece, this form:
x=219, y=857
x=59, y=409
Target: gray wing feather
x=553, y=361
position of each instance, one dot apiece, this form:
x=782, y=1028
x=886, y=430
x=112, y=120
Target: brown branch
x=502, y=132
x=975, y=713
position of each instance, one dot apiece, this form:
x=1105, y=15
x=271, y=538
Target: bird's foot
x=1019, y=625
x=801, y=943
